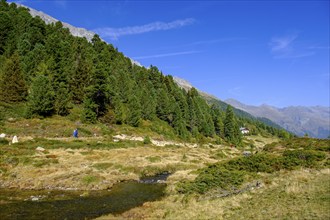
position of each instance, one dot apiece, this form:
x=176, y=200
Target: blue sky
x=258, y=52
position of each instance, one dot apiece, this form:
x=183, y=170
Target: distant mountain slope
x=223, y=105
x=315, y=121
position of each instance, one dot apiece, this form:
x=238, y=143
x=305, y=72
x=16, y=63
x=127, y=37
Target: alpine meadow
x=99, y=136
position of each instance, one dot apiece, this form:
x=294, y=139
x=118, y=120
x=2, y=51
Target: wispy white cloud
x=115, y=33
x=166, y=55
x=282, y=44
x=286, y=47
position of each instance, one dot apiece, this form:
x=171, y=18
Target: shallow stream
x=29, y=204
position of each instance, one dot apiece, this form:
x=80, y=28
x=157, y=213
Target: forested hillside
x=49, y=71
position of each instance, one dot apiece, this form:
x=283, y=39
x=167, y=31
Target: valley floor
x=97, y=163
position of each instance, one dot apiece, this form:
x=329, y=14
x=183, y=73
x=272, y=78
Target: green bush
x=89, y=179
x=4, y=141
x=213, y=177
x=146, y=140
x=254, y=163
x=306, y=158
x=231, y=174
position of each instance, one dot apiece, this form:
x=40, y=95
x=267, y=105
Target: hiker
x=75, y=133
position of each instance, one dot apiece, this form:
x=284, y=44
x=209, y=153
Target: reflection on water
x=74, y=204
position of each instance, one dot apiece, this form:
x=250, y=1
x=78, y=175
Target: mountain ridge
x=75, y=31
x=301, y=120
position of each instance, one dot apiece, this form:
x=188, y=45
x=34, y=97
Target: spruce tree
x=6, y=26
x=135, y=112
x=121, y=111
x=62, y=100
x=229, y=124
x=41, y=97
x=12, y=83
x=89, y=112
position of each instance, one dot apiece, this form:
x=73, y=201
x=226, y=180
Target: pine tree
x=62, y=100
x=231, y=128
x=121, y=112
x=135, y=112
x=41, y=97
x=148, y=104
x=12, y=83
x=163, y=105
x=81, y=72
x=217, y=120
x=89, y=112
x=6, y=25
x=229, y=124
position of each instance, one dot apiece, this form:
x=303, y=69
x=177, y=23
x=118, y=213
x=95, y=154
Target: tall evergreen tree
x=135, y=112
x=231, y=128
x=89, y=112
x=41, y=97
x=62, y=100
x=229, y=124
x=12, y=84
x=6, y=25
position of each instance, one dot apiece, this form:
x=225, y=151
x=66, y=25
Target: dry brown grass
x=88, y=168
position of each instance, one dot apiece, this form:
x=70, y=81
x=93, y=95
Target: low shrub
x=89, y=179
x=213, y=177
x=255, y=163
x=305, y=158
x=4, y=141
x=147, y=140
x=231, y=174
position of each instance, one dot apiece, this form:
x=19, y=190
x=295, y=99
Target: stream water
x=28, y=204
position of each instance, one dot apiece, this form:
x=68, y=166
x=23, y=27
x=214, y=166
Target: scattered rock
x=34, y=199
x=247, y=153
x=11, y=119
x=3, y=135
x=15, y=140
x=40, y=149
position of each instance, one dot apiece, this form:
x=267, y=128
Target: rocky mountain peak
x=75, y=31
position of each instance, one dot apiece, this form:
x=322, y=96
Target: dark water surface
x=17, y=204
